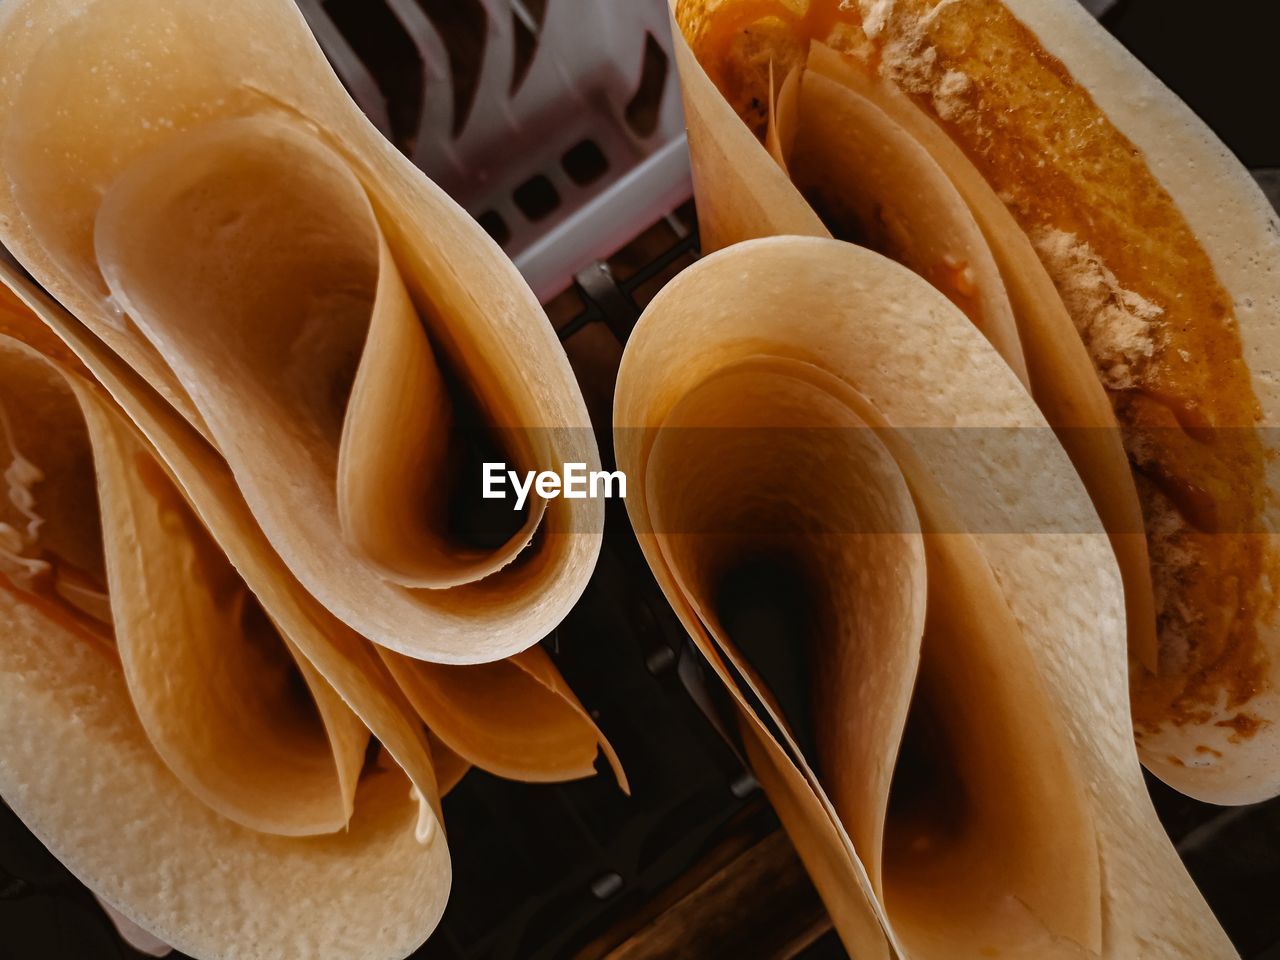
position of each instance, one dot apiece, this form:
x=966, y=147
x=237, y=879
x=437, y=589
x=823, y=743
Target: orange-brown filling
x=65, y=591
x=1182, y=395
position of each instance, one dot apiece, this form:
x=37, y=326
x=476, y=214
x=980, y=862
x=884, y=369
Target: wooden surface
x=751, y=902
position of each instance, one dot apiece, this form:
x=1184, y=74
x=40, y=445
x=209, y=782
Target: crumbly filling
x=23, y=561
x=1119, y=327
x=18, y=544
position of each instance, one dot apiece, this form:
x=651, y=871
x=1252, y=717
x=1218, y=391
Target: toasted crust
x=1238, y=228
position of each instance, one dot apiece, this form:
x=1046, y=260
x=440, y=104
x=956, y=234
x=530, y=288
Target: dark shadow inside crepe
x=771, y=609
x=766, y=606
x=960, y=860
x=838, y=219
x=252, y=257
x=929, y=803
x=988, y=839
x=265, y=638
x=473, y=522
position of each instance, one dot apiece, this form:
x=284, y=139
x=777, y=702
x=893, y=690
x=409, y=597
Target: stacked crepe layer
x=248, y=642
x=1016, y=158
x=962, y=780
x=1010, y=463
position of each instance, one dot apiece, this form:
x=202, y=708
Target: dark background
x=1220, y=56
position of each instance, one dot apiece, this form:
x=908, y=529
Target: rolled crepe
x=1013, y=155
x=821, y=447
x=186, y=727
x=194, y=185
x=241, y=451
x=163, y=734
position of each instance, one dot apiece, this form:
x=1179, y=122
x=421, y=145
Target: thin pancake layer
x=925, y=371
x=1154, y=281
x=181, y=871
x=238, y=716
x=197, y=739
x=516, y=718
x=339, y=666
x=358, y=315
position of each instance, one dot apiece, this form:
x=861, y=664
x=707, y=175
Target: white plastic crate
x=556, y=123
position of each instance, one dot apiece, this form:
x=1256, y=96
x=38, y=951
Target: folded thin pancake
x=516, y=718
x=893, y=197
x=977, y=825
x=1017, y=819
x=1051, y=358
x=290, y=353
x=1140, y=305
x=980, y=846
x=243, y=721
x=240, y=721
x=249, y=250
x=222, y=216
x=175, y=663
x=185, y=719
x=881, y=173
